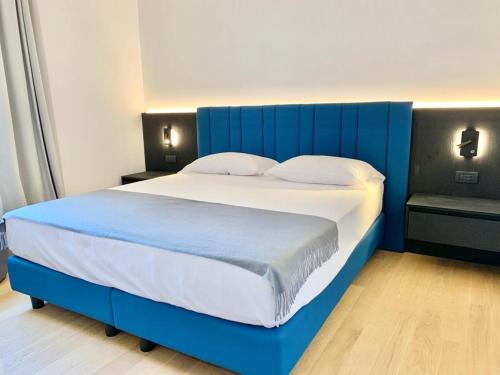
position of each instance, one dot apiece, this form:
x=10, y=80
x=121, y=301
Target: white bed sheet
x=195, y=283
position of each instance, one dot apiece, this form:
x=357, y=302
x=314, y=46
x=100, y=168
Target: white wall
x=90, y=52
x=106, y=61
x=198, y=52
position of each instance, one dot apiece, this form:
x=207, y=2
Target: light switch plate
x=466, y=177
x=171, y=159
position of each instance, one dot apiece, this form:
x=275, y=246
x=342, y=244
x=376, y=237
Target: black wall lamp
x=468, y=143
x=167, y=135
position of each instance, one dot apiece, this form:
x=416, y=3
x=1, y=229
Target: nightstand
x=467, y=223
x=128, y=179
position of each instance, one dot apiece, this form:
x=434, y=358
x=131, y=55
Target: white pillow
x=234, y=163
x=328, y=170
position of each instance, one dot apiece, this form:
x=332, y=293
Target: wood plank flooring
x=404, y=314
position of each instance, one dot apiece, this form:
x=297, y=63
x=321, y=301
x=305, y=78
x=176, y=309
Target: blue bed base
x=238, y=347
x=378, y=133
x=65, y=291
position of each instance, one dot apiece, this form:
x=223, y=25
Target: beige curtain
x=29, y=162
x=3, y=247
x=29, y=167
x=11, y=188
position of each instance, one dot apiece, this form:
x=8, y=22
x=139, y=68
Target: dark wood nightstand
x=128, y=179
x=463, y=222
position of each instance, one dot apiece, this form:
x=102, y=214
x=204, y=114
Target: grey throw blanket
x=282, y=247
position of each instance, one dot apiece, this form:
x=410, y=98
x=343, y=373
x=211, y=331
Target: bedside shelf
x=142, y=176
x=456, y=221
x=487, y=208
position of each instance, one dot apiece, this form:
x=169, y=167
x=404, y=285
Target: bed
x=184, y=302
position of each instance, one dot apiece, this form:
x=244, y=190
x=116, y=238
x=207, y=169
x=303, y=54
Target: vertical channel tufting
x=287, y=131
x=357, y=129
x=262, y=122
x=268, y=113
x=298, y=143
x=340, y=132
x=372, y=134
x=241, y=133
x=219, y=129
x=396, y=183
x=251, y=130
x=349, y=130
x=314, y=130
x=228, y=114
x=327, y=129
x=235, y=129
x=306, y=129
x=275, y=138
x=203, y=131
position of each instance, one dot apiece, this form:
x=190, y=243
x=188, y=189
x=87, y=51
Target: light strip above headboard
x=171, y=110
x=378, y=133
x=462, y=104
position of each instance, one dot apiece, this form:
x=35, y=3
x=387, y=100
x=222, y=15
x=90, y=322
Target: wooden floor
x=404, y=314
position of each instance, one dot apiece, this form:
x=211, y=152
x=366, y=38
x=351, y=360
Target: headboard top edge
x=303, y=104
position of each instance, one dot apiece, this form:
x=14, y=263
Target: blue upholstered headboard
x=378, y=133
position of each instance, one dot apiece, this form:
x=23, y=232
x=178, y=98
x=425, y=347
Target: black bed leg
x=146, y=345
x=37, y=303
x=111, y=331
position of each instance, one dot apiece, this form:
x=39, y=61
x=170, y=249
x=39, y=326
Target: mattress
x=196, y=283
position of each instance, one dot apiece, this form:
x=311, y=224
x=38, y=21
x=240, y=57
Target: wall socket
x=466, y=177
x=171, y=159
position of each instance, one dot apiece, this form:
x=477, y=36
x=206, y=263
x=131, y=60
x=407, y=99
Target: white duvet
x=196, y=283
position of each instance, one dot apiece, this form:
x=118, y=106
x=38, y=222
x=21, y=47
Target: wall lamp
x=167, y=135
x=468, y=143
x=171, y=136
